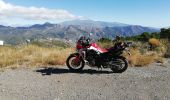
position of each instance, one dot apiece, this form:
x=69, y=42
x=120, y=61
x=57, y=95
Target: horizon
x=149, y=13
x=15, y=26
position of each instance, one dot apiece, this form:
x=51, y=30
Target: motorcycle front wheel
x=75, y=63
x=119, y=64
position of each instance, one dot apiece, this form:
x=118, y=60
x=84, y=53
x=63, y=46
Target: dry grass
x=167, y=53
x=137, y=59
x=141, y=55
x=9, y=56
x=165, y=44
x=33, y=55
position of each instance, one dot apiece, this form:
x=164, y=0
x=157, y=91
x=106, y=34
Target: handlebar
x=128, y=44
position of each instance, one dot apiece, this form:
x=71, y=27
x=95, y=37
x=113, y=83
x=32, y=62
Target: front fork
x=82, y=53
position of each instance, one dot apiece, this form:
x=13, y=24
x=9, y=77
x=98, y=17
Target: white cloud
x=8, y=10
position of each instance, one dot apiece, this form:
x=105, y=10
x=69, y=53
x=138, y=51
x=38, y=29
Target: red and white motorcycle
x=95, y=56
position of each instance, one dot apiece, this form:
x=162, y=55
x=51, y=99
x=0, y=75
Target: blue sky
x=153, y=13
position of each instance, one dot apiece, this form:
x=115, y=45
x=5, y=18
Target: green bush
x=165, y=33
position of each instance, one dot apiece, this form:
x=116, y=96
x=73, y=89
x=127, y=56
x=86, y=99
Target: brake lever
x=129, y=54
x=128, y=51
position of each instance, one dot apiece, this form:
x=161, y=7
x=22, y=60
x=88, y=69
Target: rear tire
x=117, y=66
x=73, y=67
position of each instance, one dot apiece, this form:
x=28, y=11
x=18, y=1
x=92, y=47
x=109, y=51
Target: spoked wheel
x=75, y=63
x=119, y=65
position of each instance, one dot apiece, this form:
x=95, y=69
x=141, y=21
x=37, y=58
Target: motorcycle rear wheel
x=78, y=66
x=119, y=65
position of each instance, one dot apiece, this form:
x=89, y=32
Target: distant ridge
x=70, y=30
x=99, y=24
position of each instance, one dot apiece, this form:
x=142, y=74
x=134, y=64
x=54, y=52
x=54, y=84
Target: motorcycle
x=93, y=55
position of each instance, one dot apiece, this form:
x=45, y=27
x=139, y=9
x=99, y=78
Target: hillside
x=70, y=30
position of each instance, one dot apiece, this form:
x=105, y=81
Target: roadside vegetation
x=33, y=55
x=146, y=49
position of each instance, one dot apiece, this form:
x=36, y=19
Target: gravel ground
x=57, y=83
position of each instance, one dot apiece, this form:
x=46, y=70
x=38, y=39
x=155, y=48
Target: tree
x=165, y=33
x=155, y=35
x=145, y=36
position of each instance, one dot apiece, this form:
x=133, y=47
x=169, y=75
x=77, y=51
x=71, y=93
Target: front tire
x=71, y=64
x=119, y=64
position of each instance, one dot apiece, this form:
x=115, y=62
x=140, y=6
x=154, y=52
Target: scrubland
x=33, y=55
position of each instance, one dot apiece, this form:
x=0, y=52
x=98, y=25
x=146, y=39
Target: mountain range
x=71, y=30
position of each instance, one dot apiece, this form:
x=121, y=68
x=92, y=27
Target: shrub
x=154, y=43
x=137, y=59
x=167, y=54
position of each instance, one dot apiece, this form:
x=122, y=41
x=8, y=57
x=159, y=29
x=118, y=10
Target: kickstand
x=100, y=68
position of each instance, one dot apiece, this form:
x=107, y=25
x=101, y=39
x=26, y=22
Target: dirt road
x=57, y=83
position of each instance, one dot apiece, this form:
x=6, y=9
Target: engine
x=91, y=57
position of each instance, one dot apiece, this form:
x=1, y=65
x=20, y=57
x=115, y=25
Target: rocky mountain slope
x=70, y=30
